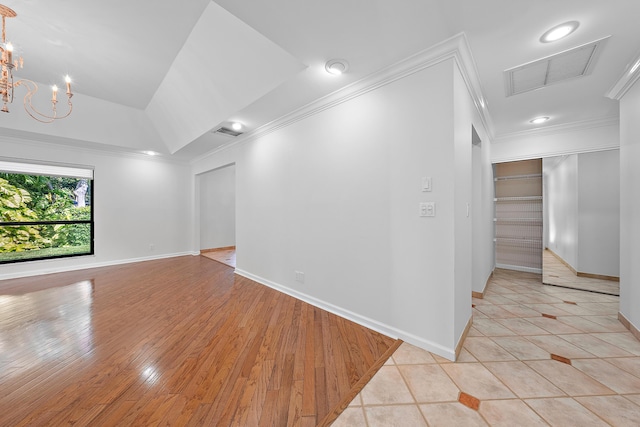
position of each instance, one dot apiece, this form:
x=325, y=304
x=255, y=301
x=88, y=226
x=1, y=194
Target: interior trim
x=630, y=326
x=448, y=353
x=456, y=48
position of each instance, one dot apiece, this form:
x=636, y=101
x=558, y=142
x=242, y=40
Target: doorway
x=217, y=196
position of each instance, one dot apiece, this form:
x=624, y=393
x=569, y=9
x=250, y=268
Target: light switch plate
x=426, y=183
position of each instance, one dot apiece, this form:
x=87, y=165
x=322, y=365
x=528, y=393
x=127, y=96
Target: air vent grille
x=570, y=64
x=226, y=131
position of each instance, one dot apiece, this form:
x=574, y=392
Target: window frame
x=21, y=167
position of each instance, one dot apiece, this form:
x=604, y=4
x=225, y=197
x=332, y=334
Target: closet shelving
x=518, y=221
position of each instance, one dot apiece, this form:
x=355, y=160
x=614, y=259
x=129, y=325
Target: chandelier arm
x=27, y=99
x=31, y=110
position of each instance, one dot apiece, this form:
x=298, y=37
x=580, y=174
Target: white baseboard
x=448, y=353
x=630, y=326
x=42, y=267
x=518, y=268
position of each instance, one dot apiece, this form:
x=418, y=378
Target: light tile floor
x=554, y=272
x=506, y=364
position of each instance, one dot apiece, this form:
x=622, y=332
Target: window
x=46, y=211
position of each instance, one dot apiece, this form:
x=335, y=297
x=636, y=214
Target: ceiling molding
x=49, y=141
x=626, y=80
x=467, y=66
x=564, y=127
x=455, y=48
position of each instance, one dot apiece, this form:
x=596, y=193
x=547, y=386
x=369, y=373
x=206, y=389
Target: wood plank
x=181, y=341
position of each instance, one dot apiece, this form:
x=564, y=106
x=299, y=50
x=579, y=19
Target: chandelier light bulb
x=9, y=48
x=67, y=80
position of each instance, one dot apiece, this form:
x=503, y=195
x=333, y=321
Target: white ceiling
x=122, y=51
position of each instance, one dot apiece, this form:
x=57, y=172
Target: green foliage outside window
x=41, y=217
x=14, y=208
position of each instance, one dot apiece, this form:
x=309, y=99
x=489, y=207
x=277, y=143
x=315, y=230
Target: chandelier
x=7, y=84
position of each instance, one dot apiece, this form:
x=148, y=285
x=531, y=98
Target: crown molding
x=626, y=80
x=43, y=140
x=561, y=128
x=456, y=48
x=467, y=66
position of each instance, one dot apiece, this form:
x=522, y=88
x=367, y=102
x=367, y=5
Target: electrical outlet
x=299, y=276
x=428, y=209
x=151, y=247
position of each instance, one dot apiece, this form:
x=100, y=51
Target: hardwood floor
x=227, y=255
x=174, y=342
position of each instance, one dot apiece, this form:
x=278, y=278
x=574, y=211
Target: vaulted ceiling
x=162, y=74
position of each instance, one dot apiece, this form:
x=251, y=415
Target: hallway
x=535, y=356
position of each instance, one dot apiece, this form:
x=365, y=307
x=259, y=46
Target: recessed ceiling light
x=236, y=126
x=336, y=66
x=559, y=31
x=539, y=120
x=150, y=153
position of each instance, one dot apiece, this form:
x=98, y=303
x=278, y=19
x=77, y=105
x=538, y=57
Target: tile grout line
x=595, y=356
x=517, y=359
x=603, y=327
x=406, y=383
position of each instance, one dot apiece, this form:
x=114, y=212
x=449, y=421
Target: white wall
x=562, y=208
x=335, y=195
x=482, y=211
x=217, y=191
x=630, y=206
x=463, y=120
x=599, y=213
x=596, y=136
x=139, y=201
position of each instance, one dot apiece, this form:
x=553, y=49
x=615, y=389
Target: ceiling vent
x=570, y=64
x=226, y=131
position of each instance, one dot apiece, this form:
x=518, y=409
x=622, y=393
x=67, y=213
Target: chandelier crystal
x=7, y=83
